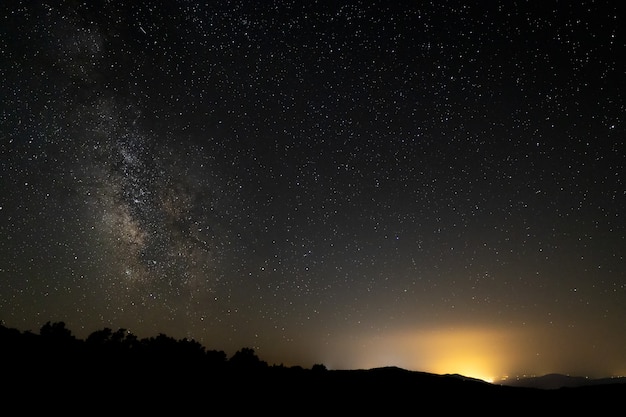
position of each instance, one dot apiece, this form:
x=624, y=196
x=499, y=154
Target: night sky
x=437, y=186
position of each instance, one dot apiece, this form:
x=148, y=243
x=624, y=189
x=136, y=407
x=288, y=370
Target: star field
x=355, y=184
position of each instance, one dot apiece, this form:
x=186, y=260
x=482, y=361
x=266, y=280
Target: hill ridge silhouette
x=557, y=380
x=161, y=372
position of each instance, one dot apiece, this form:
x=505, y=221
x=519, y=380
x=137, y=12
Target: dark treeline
x=151, y=372
x=114, y=371
x=56, y=347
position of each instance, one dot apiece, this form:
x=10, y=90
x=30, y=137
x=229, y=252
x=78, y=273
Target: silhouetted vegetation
x=118, y=370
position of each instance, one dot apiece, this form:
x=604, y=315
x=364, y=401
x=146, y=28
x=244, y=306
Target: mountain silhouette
x=116, y=372
x=556, y=381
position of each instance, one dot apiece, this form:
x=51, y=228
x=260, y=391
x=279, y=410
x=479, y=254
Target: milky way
x=359, y=184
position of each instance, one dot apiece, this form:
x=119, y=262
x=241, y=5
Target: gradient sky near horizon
x=432, y=185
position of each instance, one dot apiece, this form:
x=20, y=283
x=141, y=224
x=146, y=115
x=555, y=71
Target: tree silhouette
x=99, y=337
x=246, y=359
x=318, y=367
x=56, y=331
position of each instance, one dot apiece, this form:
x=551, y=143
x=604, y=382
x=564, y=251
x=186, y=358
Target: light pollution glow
x=489, y=353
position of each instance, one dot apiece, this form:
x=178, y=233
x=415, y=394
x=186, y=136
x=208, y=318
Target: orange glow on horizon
x=488, y=352
x=473, y=352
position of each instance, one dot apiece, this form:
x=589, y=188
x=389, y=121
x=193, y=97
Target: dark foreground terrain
x=115, y=373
